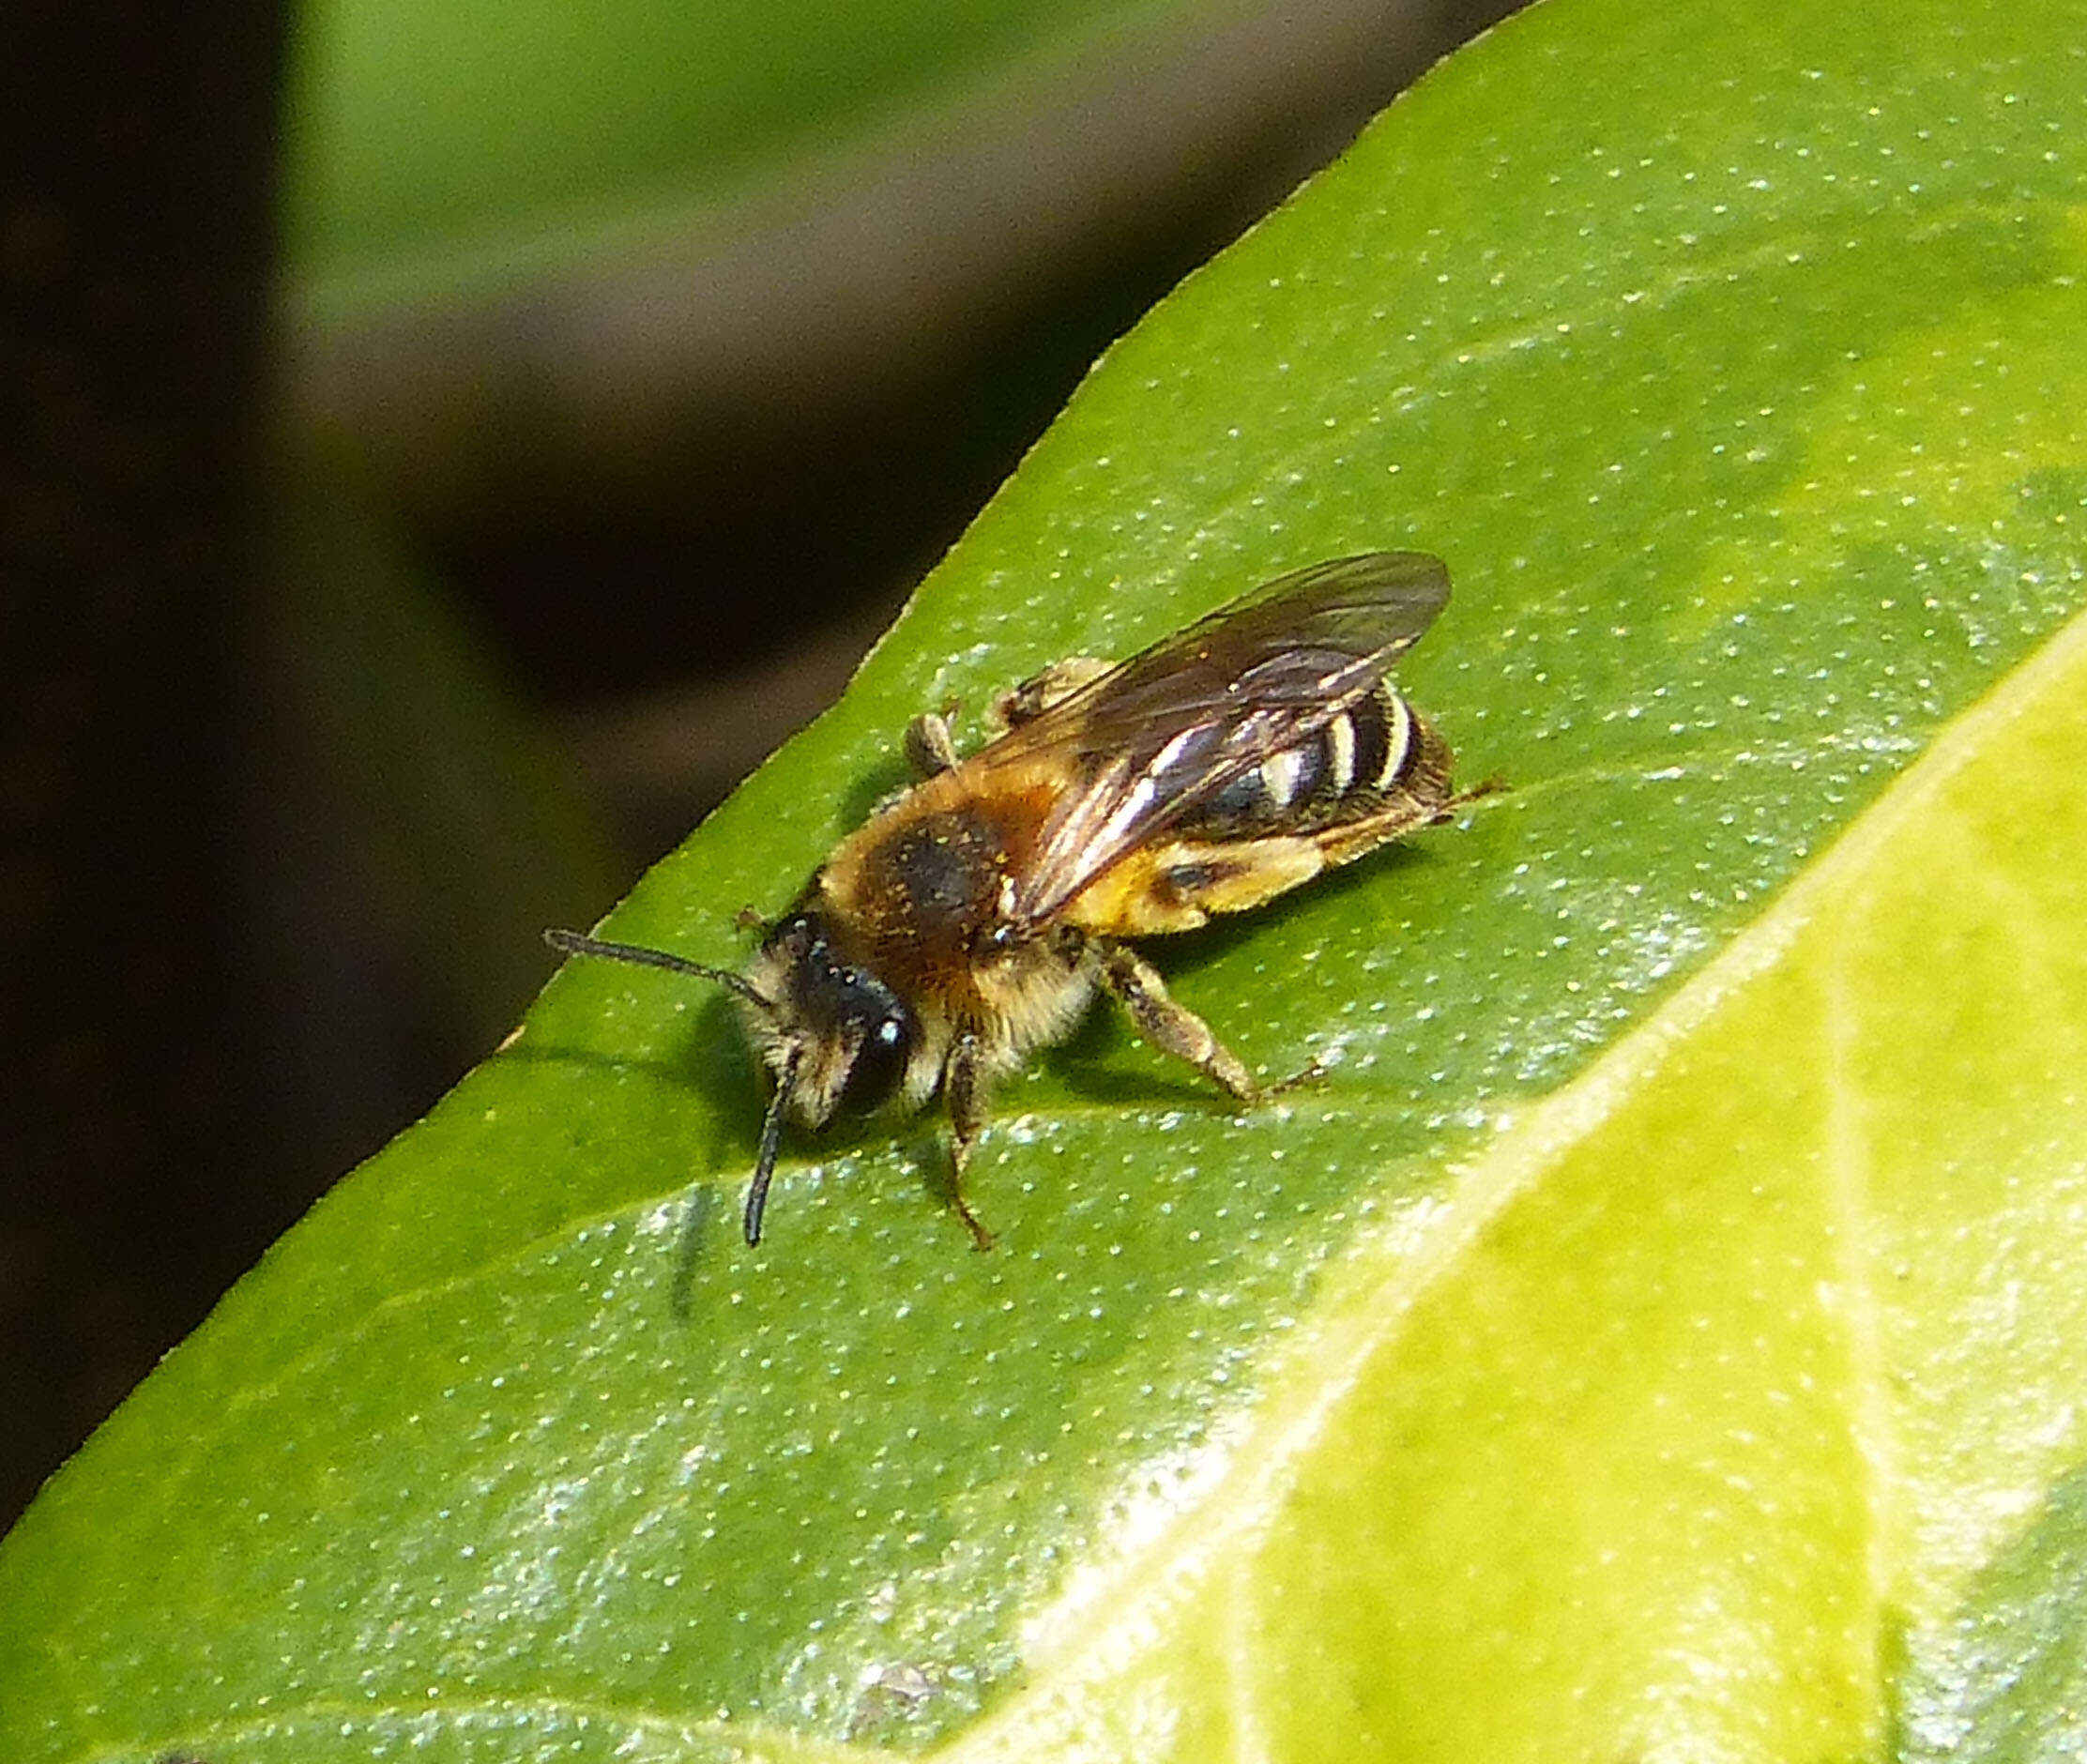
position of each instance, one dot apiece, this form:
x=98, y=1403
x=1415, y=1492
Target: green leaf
x=1660, y=1334
x=436, y=781
x=456, y=134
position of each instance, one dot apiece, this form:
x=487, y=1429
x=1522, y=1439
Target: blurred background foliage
x=446, y=446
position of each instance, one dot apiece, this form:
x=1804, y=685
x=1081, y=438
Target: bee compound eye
x=878, y=1067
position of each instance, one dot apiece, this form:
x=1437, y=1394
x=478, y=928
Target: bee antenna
x=771, y=1138
x=573, y=943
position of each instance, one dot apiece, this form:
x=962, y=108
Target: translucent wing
x=1154, y=738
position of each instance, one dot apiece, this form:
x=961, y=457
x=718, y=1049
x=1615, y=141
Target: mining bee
x=974, y=916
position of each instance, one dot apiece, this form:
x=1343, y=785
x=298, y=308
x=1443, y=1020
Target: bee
x=974, y=917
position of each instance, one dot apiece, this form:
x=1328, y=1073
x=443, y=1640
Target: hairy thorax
x=928, y=886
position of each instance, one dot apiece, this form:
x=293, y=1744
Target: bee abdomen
x=1346, y=768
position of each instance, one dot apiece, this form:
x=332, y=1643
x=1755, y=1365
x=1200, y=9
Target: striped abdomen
x=1374, y=750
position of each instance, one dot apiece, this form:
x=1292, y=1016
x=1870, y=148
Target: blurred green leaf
x=418, y=129
x=446, y=804
x=1660, y=1336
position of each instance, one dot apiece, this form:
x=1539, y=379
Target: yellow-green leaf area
x=1654, y=1335
x=1734, y=1365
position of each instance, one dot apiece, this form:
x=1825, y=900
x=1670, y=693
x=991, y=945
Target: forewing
x=1153, y=737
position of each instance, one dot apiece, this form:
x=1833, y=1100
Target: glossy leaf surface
x=1656, y=1336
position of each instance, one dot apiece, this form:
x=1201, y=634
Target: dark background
x=212, y=1000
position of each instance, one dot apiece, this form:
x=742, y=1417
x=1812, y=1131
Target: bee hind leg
x=1495, y=784
x=1174, y=1028
x=964, y=1085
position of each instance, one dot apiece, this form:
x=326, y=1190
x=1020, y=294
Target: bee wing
x=1158, y=734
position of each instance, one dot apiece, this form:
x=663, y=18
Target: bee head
x=853, y=1034
x=836, y=1037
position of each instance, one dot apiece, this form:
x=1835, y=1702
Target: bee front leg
x=929, y=748
x=1039, y=691
x=1172, y=1027
x=964, y=1085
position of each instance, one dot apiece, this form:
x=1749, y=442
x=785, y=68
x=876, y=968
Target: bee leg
x=964, y=1085
x=1039, y=691
x=928, y=747
x=1494, y=786
x=1311, y=1073
x=1172, y=1027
